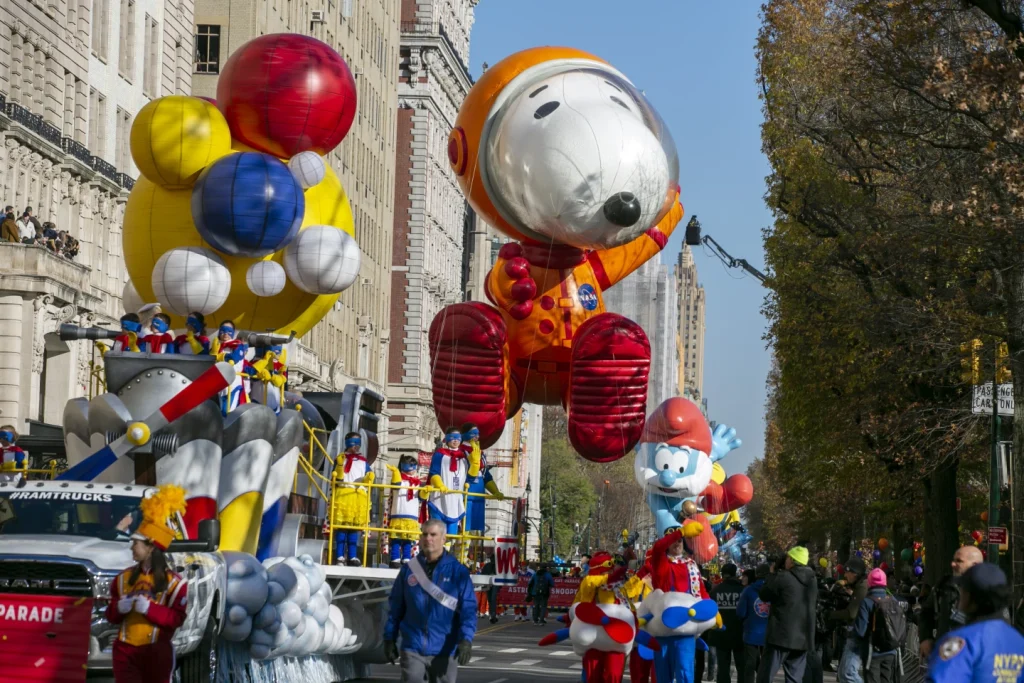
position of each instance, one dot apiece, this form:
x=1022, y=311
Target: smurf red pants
x=603, y=667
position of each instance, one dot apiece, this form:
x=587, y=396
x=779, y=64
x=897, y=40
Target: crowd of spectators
x=27, y=229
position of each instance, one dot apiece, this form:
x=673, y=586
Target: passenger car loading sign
x=44, y=637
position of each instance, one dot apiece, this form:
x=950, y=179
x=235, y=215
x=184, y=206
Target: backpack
x=888, y=624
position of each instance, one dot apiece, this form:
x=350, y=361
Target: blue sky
x=696, y=63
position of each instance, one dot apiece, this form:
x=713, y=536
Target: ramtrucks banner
x=562, y=592
x=44, y=637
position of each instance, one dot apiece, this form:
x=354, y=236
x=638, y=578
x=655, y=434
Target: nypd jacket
x=427, y=626
x=727, y=595
x=985, y=651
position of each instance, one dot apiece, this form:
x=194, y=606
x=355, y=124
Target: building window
x=151, y=57
x=126, y=57
x=100, y=21
x=97, y=116
x=122, y=149
x=207, y=58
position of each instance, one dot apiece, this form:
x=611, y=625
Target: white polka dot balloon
x=308, y=168
x=191, y=279
x=322, y=260
x=265, y=278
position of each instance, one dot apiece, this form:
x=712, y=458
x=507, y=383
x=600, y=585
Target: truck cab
x=70, y=539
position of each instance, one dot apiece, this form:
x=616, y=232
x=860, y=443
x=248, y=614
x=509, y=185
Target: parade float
x=236, y=225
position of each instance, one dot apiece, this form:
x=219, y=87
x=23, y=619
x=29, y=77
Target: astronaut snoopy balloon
x=559, y=151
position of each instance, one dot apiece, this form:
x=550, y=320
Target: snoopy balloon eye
x=575, y=155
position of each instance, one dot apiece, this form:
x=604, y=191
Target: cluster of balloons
x=236, y=213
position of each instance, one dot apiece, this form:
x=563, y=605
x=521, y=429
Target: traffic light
x=970, y=364
x=1003, y=373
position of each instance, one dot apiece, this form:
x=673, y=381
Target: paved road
x=507, y=652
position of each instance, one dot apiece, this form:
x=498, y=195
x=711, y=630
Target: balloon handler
x=351, y=502
x=676, y=580
x=405, y=511
x=148, y=600
x=451, y=467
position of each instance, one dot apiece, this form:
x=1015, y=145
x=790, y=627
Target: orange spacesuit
x=581, y=227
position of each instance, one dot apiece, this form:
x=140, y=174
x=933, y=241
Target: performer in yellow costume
x=351, y=503
x=405, y=511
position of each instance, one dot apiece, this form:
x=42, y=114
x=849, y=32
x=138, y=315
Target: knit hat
x=799, y=555
x=678, y=422
x=877, y=578
x=157, y=509
x=983, y=577
x=855, y=565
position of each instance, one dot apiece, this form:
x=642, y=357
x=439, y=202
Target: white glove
x=141, y=604
x=124, y=605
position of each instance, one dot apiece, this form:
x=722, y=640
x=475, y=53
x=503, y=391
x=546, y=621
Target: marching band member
x=148, y=601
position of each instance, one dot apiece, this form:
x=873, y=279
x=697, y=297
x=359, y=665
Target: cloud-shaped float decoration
x=677, y=614
x=245, y=187
x=605, y=628
x=282, y=608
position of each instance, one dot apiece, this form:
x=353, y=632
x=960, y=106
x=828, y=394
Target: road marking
x=499, y=627
x=525, y=662
x=499, y=680
x=475, y=659
x=560, y=653
x=577, y=665
x=512, y=650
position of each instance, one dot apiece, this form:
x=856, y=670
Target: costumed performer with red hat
x=148, y=600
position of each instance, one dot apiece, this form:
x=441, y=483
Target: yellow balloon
x=174, y=138
x=158, y=219
x=823, y=563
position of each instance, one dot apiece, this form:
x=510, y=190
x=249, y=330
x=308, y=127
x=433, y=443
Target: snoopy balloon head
x=555, y=146
x=673, y=458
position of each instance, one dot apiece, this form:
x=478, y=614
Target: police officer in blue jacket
x=433, y=607
x=987, y=649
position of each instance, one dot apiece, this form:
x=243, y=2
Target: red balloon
x=883, y=566
x=703, y=548
x=286, y=93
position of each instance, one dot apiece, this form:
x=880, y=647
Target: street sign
x=982, y=404
x=997, y=535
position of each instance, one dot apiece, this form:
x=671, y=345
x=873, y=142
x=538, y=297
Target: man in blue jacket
x=433, y=607
x=987, y=649
x=753, y=613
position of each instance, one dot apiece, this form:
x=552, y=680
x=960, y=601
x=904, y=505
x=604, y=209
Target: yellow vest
x=136, y=629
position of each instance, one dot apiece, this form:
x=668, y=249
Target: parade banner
x=562, y=592
x=44, y=637
x=506, y=561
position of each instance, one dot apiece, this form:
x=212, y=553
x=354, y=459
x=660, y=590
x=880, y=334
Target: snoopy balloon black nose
x=622, y=209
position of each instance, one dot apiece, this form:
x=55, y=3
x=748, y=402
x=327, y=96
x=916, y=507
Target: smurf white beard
x=593, y=637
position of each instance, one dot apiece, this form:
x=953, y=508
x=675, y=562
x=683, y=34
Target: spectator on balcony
x=26, y=227
x=70, y=245
x=11, y=232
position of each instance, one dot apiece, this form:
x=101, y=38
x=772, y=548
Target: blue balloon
x=877, y=554
x=860, y=553
x=248, y=204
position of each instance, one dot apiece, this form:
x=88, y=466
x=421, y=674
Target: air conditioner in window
x=318, y=16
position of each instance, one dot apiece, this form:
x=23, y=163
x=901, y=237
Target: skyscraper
x=649, y=297
x=691, y=327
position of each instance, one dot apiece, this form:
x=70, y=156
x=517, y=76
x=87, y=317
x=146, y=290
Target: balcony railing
x=77, y=150
x=125, y=181
x=33, y=122
x=104, y=168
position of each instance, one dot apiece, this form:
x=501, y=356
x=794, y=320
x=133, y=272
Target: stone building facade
x=431, y=214
x=691, y=327
x=351, y=344
x=73, y=74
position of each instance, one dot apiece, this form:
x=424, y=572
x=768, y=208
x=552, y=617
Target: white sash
x=433, y=590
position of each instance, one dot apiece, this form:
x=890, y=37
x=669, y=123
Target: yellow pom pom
x=174, y=138
x=169, y=500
